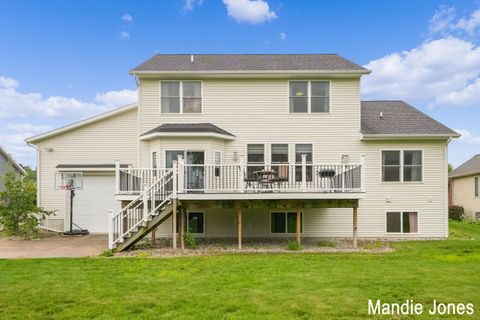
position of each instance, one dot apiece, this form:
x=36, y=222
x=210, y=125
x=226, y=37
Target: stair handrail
x=135, y=203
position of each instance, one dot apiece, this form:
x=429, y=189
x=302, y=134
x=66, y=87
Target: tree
x=450, y=167
x=19, y=213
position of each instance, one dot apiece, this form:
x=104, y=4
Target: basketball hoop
x=69, y=181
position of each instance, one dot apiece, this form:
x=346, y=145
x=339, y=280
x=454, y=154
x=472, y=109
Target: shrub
x=293, y=245
x=107, y=253
x=190, y=241
x=471, y=220
x=455, y=212
x=19, y=214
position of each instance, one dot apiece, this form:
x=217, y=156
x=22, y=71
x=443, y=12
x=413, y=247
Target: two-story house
x=7, y=162
x=249, y=146
x=464, y=184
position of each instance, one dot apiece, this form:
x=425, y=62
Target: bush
x=456, y=212
x=471, y=220
x=19, y=214
x=107, y=253
x=293, y=245
x=190, y=241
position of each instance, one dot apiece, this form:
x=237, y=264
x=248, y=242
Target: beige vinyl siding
x=257, y=111
x=98, y=143
x=464, y=194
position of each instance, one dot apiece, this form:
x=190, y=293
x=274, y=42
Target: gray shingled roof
x=399, y=118
x=251, y=62
x=469, y=167
x=188, y=127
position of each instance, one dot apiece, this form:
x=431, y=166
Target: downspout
x=446, y=186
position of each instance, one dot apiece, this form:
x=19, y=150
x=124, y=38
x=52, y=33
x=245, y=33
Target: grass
x=242, y=286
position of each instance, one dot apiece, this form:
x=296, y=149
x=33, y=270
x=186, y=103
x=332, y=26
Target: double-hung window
x=217, y=157
x=402, y=166
x=154, y=163
x=306, y=149
x=255, y=158
x=285, y=222
x=402, y=222
x=309, y=96
x=181, y=96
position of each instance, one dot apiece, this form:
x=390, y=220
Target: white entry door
x=91, y=204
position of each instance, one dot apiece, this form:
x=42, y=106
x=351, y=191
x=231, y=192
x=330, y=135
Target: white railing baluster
x=145, y=202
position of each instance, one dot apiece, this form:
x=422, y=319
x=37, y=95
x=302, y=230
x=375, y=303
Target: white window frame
x=309, y=96
x=264, y=153
x=152, y=163
x=204, y=221
x=402, y=211
x=288, y=153
x=180, y=92
x=302, y=220
x=402, y=166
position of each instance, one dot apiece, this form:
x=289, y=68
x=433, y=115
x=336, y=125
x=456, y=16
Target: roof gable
x=469, y=167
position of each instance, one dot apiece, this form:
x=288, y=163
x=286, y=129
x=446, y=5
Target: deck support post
x=299, y=223
x=174, y=224
x=182, y=228
x=239, y=227
x=355, y=227
x=153, y=236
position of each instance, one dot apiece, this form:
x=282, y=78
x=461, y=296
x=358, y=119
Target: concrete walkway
x=54, y=247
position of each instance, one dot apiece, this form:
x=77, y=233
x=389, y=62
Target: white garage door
x=91, y=204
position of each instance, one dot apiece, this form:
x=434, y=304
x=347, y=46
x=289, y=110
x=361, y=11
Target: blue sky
x=61, y=61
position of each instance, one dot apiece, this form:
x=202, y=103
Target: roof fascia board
x=408, y=136
x=253, y=73
x=464, y=175
x=13, y=161
x=81, y=123
x=187, y=134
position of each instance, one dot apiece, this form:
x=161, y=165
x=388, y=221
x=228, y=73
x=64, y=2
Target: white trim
x=402, y=150
x=318, y=72
x=204, y=221
x=402, y=211
x=373, y=137
x=180, y=92
x=81, y=123
x=309, y=96
x=187, y=134
x=302, y=222
x=271, y=196
x=10, y=159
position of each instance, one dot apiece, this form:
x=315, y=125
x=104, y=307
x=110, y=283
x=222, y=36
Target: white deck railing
x=234, y=178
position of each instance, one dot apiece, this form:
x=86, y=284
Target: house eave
x=373, y=137
x=186, y=135
x=204, y=74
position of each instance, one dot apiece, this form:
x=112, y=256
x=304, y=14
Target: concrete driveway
x=54, y=247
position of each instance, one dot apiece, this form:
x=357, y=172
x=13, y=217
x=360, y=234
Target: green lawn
x=270, y=286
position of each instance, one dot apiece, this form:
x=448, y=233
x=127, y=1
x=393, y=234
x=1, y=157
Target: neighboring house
x=464, y=186
x=7, y=162
x=251, y=146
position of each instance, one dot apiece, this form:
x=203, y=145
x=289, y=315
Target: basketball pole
x=72, y=194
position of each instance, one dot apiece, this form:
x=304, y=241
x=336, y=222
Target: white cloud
x=128, y=18
x=117, y=98
x=445, y=21
x=189, y=5
x=250, y=11
x=430, y=73
x=27, y=127
x=15, y=104
x=283, y=36
x=124, y=34
x=467, y=137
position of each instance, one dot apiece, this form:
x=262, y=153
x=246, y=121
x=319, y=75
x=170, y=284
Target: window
x=170, y=97
x=477, y=186
x=309, y=96
x=402, y=222
x=390, y=165
x=412, y=165
x=306, y=149
x=285, y=222
x=255, y=154
x=280, y=156
x=402, y=166
x=196, y=222
x=217, y=158
x=154, y=163
x=181, y=96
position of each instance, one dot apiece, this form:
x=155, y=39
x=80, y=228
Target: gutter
x=409, y=136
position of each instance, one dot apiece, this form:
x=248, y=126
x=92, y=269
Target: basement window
x=402, y=222
x=285, y=222
x=196, y=222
